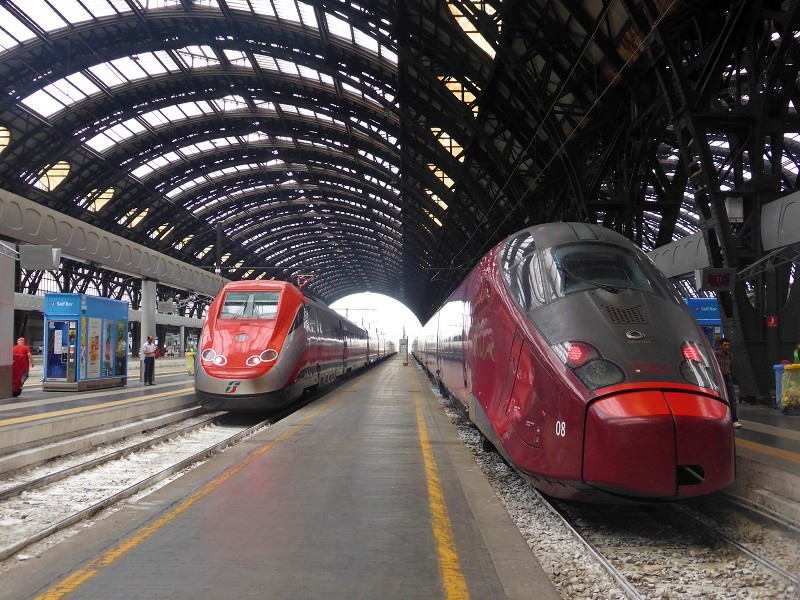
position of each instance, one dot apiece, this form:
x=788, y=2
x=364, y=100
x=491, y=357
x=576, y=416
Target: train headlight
x=268, y=355
x=599, y=373
x=265, y=357
x=588, y=364
x=209, y=355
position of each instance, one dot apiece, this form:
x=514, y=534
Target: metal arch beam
x=302, y=195
x=32, y=223
x=274, y=126
x=82, y=43
x=305, y=249
x=388, y=237
x=181, y=171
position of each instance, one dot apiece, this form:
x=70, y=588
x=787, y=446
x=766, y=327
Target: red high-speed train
x=266, y=342
x=577, y=359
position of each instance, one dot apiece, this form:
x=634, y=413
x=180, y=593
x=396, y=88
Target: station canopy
x=375, y=145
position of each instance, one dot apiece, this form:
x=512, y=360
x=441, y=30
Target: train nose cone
x=658, y=444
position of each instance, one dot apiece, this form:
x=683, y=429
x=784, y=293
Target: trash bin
x=190, y=362
x=790, y=387
x=778, y=381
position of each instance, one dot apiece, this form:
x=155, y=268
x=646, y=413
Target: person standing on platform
x=22, y=351
x=725, y=360
x=149, y=352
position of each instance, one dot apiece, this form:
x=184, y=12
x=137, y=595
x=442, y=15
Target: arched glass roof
x=386, y=145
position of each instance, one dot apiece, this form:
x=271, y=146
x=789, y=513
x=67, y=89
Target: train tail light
x=579, y=353
x=691, y=351
x=588, y=364
x=696, y=366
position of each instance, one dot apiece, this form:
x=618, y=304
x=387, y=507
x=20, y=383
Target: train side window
x=298, y=319
x=537, y=284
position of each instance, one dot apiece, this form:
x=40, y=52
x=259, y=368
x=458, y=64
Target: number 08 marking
x=561, y=428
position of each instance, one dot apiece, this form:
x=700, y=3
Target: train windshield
x=577, y=267
x=250, y=305
x=536, y=277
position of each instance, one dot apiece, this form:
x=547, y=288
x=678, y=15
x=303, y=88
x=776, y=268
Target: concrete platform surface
x=365, y=493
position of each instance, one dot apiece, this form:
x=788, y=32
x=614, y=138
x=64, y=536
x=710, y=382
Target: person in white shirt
x=149, y=352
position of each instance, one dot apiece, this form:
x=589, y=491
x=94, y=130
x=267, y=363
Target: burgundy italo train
x=266, y=342
x=577, y=359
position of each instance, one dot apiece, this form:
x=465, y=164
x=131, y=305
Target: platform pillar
x=7, y=279
x=148, y=322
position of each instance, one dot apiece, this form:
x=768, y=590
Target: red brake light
x=692, y=352
x=578, y=353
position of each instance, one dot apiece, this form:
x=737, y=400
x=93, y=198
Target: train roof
x=547, y=235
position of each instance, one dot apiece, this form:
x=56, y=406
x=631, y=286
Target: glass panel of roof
x=307, y=15
x=115, y=134
x=62, y=93
x=365, y=41
x=102, y=8
x=197, y=57
x=343, y=30
x=287, y=9
x=13, y=32
x=264, y=8
x=470, y=29
x=183, y=242
x=156, y=4
x=52, y=177
x=237, y=58
x=96, y=199
x=46, y=18
x=5, y=138
x=51, y=15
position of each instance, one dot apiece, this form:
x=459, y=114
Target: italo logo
x=232, y=386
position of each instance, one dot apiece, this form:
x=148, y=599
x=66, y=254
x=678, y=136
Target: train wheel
x=486, y=445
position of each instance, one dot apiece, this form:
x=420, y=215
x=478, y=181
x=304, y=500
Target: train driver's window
x=234, y=306
x=250, y=305
x=265, y=305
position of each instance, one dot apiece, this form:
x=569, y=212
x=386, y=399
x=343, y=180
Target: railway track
x=670, y=551
x=720, y=547
x=41, y=502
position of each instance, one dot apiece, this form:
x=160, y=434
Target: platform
x=367, y=492
x=768, y=458
x=40, y=425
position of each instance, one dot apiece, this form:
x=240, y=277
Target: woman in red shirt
x=23, y=362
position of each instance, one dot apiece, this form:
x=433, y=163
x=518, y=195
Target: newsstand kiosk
x=86, y=342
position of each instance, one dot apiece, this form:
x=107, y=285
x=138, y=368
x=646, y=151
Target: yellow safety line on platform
x=75, y=580
x=791, y=434
x=455, y=587
x=80, y=409
x=764, y=449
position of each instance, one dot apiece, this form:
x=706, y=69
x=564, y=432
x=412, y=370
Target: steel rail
x=627, y=587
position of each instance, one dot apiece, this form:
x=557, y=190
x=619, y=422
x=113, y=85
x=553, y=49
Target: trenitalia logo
x=232, y=386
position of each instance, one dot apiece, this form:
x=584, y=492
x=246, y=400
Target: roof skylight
x=51, y=178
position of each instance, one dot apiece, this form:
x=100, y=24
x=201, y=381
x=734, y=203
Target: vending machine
x=86, y=342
